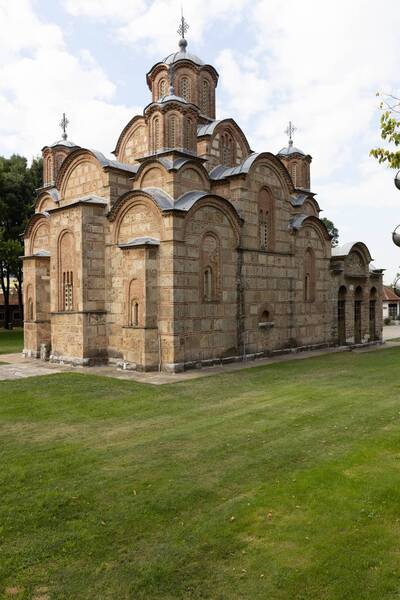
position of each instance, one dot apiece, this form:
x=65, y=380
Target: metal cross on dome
x=183, y=27
x=290, y=131
x=64, y=124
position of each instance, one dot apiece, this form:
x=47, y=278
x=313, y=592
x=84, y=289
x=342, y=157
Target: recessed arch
x=221, y=204
x=137, y=204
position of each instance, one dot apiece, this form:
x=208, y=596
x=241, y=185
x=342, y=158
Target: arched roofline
x=125, y=130
x=52, y=194
x=277, y=163
x=320, y=225
x=30, y=226
x=149, y=162
x=220, y=172
x=209, y=199
x=211, y=129
x=344, y=250
x=103, y=162
x=199, y=167
x=133, y=195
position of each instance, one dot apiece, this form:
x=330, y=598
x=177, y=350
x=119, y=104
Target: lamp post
x=397, y=180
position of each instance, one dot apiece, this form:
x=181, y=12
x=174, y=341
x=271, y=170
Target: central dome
x=182, y=54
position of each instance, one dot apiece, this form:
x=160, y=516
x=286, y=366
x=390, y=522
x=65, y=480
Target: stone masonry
x=188, y=248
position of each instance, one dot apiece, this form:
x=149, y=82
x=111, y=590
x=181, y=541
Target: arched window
x=309, y=275
x=66, y=272
x=162, y=88
x=227, y=150
x=266, y=222
x=341, y=315
x=134, y=316
x=211, y=267
x=372, y=314
x=188, y=134
x=205, y=97
x=156, y=134
x=172, y=132
x=185, y=88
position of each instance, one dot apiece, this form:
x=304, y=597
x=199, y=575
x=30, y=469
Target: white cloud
x=154, y=23
x=40, y=79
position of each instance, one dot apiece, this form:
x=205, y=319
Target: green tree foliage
x=390, y=131
x=333, y=231
x=18, y=183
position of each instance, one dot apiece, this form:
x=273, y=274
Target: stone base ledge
x=26, y=353
x=78, y=362
x=124, y=365
x=199, y=364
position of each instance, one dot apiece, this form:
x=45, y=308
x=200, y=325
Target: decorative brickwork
x=189, y=248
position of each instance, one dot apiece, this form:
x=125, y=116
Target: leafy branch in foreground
x=390, y=131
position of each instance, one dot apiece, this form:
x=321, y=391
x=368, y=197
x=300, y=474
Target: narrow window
x=227, y=150
x=266, y=219
x=162, y=90
x=188, y=134
x=208, y=291
x=134, y=313
x=172, y=132
x=156, y=134
x=49, y=174
x=68, y=292
x=309, y=276
x=184, y=88
x=263, y=229
x=205, y=97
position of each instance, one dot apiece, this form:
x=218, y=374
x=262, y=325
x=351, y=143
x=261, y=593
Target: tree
x=390, y=131
x=332, y=230
x=18, y=183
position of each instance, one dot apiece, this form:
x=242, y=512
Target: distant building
x=15, y=316
x=390, y=303
x=188, y=248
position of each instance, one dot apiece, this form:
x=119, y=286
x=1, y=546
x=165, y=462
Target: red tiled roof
x=389, y=295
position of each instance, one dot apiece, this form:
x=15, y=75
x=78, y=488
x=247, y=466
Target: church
x=187, y=249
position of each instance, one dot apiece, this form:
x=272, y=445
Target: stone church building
x=188, y=248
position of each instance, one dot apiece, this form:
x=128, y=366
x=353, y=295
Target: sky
x=317, y=63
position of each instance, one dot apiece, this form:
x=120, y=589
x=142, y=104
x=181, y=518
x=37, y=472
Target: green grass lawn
x=11, y=340
x=278, y=483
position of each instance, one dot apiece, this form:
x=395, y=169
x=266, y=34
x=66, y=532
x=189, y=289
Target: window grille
x=185, y=88
x=68, y=290
x=162, y=90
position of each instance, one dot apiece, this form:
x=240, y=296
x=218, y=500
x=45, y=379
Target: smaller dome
x=290, y=150
x=182, y=54
x=66, y=143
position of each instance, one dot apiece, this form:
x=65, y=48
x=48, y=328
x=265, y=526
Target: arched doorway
x=372, y=314
x=341, y=315
x=358, y=315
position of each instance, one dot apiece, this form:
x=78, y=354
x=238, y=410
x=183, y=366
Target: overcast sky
x=318, y=63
